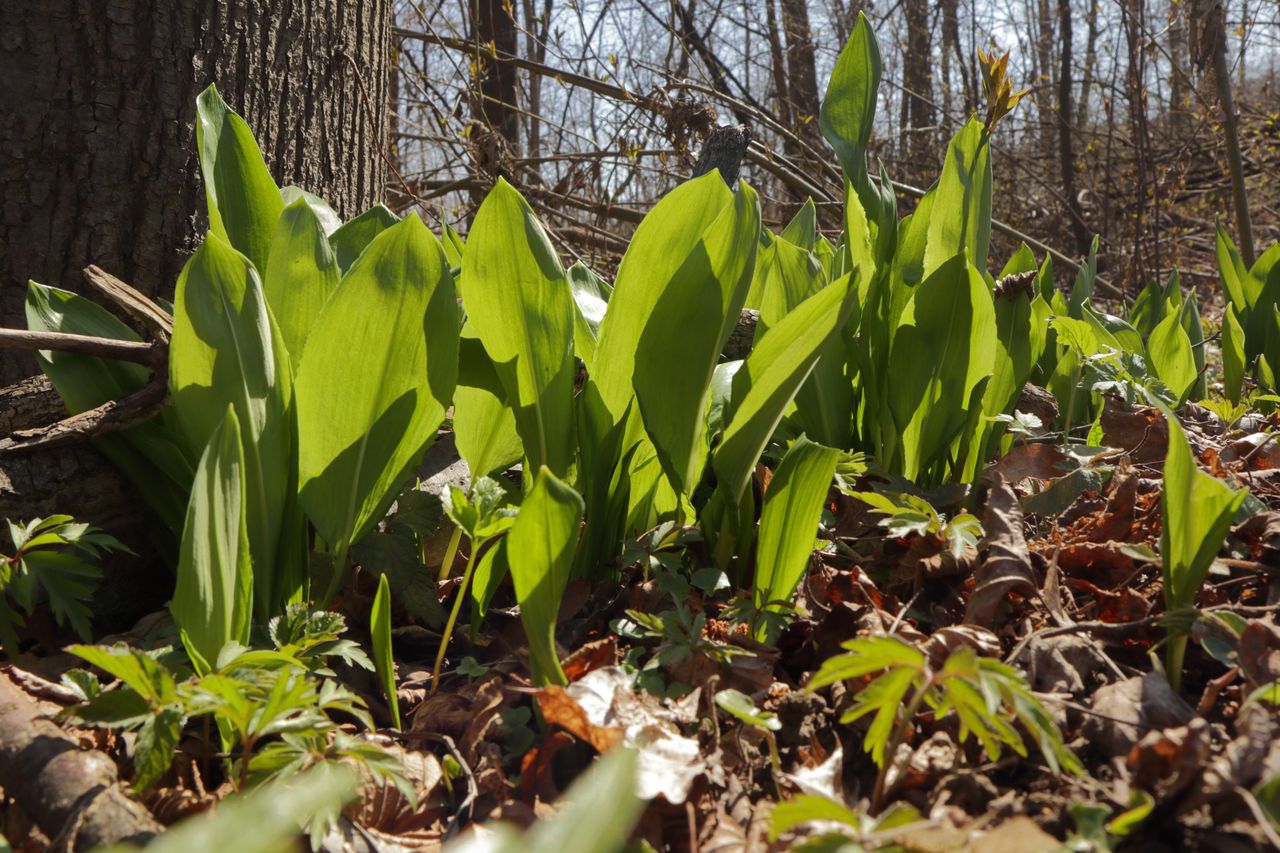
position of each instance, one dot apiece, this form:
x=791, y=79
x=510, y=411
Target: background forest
x=602, y=103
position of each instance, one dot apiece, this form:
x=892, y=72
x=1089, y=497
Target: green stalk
x=335, y=582
x=453, y=618
x=1174, y=654
x=450, y=553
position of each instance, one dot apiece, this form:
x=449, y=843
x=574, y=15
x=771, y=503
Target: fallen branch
x=115, y=415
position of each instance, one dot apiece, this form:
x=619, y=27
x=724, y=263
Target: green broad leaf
x=1241, y=288
x=1169, y=348
x=213, y=597
x=590, y=302
x=681, y=343
x=1269, y=693
x=520, y=305
x=1086, y=278
x=380, y=629
x=139, y=671
x=378, y=371
x=121, y=708
x=660, y=247
x=807, y=808
x=1192, y=323
x=739, y=704
x=227, y=350
x=301, y=274
x=454, y=246
x=244, y=201
x=152, y=454
x=484, y=424
x=802, y=230
x=354, y=236
x=327, y=216
x=1023, y=260
x=789, y=525
x=155, y=746
x=1233, y=363
x=960, y=221
x=1019, y=344
x=848, y=109
x=490, y=572
x=540, y=550
x=771, y=376
x=788, y=275
x=942, y=349
x=1197, y=511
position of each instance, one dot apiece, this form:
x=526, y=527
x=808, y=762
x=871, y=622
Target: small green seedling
x=55, y=557
x=481, y=516
x=986, y=695
x=739, y=705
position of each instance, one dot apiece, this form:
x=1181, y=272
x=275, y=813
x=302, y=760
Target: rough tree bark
x=918, y=122
x=99, y=99
x=801, y=72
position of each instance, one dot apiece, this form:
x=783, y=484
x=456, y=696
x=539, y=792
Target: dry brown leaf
x=1165, y=762
x=1062, y=664
x=591, y=656
x=1124, y=711
x=1260, y=653
x=559, y=710
x=668, y=762
x=1006, y=570
x=1036, y=461
x=1141, y=432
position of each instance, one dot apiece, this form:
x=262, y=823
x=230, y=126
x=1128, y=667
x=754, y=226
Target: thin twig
x=137, y=352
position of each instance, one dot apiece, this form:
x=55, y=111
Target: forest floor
x=1064, y=586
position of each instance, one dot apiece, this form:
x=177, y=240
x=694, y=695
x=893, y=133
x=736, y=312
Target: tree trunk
x=802, y=76
x=496, y=134
x=1066, y=153
x=99, y=160
x=918, y=125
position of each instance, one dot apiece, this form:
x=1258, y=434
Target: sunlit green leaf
x=214, y=593
x=540, y=552
x=378, y=371
x=243, y=200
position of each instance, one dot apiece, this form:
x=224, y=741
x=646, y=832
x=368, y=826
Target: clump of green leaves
x=988, y=697
x=54, y=559
x=276, y=710
x=480, y=515
x=682, y=646
x=907, y=516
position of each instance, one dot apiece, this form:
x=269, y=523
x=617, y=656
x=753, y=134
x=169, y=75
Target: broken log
x=73, y=794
